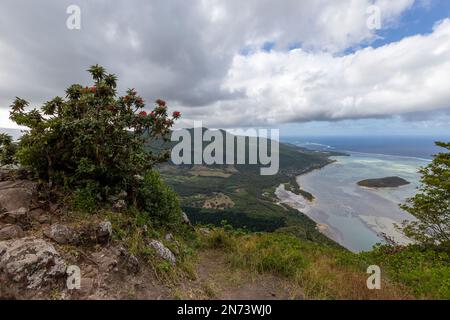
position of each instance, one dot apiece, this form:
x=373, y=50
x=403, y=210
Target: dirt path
x=216, y=280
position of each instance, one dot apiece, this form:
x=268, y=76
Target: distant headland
x=388, y=182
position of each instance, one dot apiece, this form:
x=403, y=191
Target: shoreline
x=305, y=206
x=381, y=225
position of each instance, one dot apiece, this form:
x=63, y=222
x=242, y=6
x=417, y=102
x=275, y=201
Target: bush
x=91, y=135
x=86, y=198
x=156, y=199
x=425, y=270
x=7, y=150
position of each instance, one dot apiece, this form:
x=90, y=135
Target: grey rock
x=15, y=195
x=163, y=251
x=204, y=231
x=104, y=231
x=40, y=216
x=106, y=259
x=31, y=262
x=61, y=234
x=185, y=219
x=18, y=216
x=11, y=231
x=132, y=264
x=169, y=237
x=119, y=205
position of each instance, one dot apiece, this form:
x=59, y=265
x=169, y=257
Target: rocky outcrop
x=40, y=216
x=62, y=234
x=163, y=251
x=103, y=231
x=90, y=233
x=185, y=219
x=10, y=231
x=39, y=244
x=115, y=258
x=15, y=195
x=19, y=217
x=30, y=262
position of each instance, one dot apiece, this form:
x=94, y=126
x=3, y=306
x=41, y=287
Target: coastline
x=357, y=222
x=292, y=198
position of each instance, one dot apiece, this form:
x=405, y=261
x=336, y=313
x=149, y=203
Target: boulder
x=169, y=237
x=104, y=230
x=163, y=251
x=30, y=262
x=204, y=232
x=62, y=234
x=39, y=216
x=15, y=195
x=19, y=216
x=132, y=264
x=185, y=219
x=90, y=233
x=11, y=231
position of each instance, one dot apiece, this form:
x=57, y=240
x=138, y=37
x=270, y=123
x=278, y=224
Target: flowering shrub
x=92, y=136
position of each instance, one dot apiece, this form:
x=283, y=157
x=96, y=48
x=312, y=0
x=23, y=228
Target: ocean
x=354, y=216
x=422, y=147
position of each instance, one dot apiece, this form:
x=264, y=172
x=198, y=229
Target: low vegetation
x=327, y=272
x=431, y=205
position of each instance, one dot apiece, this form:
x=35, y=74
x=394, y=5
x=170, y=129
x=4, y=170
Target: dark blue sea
x=410, y=146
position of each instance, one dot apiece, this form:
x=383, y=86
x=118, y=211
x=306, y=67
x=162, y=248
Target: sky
x=311, y=67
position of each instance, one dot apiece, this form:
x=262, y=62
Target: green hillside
x=241, y=196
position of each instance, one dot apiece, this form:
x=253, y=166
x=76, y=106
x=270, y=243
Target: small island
x=388, y=182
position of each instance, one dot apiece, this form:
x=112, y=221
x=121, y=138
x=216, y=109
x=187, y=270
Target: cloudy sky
x=305, y=66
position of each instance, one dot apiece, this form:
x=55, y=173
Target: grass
x=327, y=272
x=133, y=229
x=317, y=270
x=425, y=270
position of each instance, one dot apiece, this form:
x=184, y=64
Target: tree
x=92, y=137
x=431, y=206
x=7, y=149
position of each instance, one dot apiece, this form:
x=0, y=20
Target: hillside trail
x=216, y=280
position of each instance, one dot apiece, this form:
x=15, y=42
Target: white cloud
x=187, y=52
x=405, y=77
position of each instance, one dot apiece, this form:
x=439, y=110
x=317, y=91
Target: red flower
x=140, y=101
x=143, y=114
x=176, y=114
x=161, y=103
x=93, y=89
x=152, y=114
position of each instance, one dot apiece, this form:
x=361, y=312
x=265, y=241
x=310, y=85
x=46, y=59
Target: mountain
x=240, y=196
